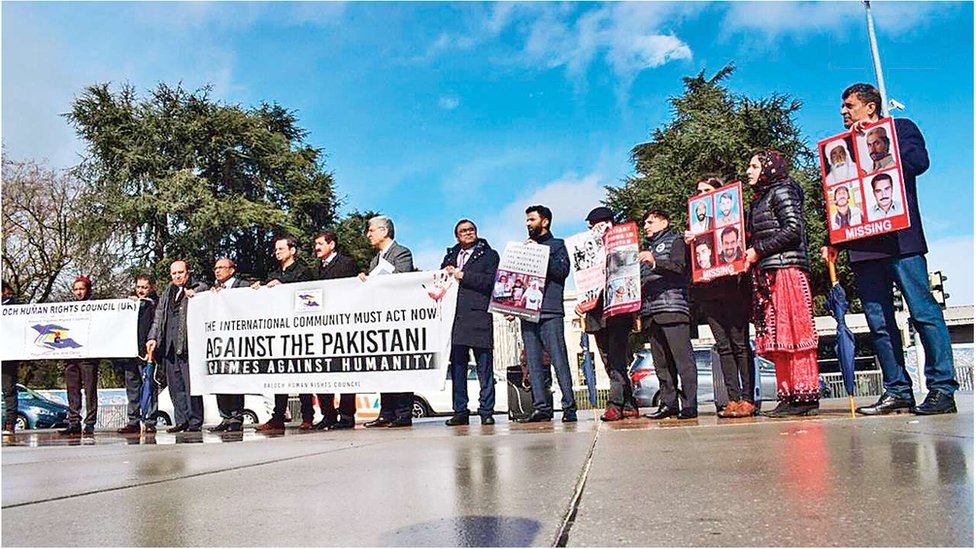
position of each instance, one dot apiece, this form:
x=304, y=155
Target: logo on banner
x=438, y=287
x=52, y=336
x=308, y=300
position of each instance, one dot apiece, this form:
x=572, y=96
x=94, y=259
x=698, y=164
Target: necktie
x=462, y=257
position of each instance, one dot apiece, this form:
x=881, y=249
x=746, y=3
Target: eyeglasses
x=467, y=231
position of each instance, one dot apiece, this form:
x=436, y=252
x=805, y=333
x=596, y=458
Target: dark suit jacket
x=398, y=255
x=342, y=266
x=472, y=321
x=164, y=315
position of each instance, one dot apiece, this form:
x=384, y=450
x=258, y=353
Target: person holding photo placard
x=724, y=301
x=898, y=258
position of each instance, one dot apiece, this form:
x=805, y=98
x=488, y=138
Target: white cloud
x=954, y=257
x=448, y=102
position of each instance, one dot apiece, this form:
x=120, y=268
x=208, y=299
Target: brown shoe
x=271, y=426
x=745, y=409
x=306, y=426
x=731, y=409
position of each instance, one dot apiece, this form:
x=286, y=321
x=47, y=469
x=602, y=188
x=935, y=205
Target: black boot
x=781, y=410
x=809, y=408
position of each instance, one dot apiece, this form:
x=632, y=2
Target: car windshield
x=24, y=392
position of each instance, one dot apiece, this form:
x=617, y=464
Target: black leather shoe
x=456, y=420
x=536, y=417
x=888, y=404
x=220, y=427
x=178, y=428
x=150, y=430
x=234, y=427
x=396, y=423
x=936, y=403
x=323, y=425
x=378, y=422
x=343, y=424
x=487, y=420
x=70, y=430
x=781, y=410
x=194, y=429
x=688, y=413
x=570, y=417
x=88, y=430
x=663, y=412
x=804, y=409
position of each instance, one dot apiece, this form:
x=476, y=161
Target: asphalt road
x=829, y=481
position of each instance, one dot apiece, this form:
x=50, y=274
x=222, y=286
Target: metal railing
x=964, y=375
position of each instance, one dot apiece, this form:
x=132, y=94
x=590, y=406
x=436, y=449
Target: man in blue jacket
x=899, y=258
x=549, y=332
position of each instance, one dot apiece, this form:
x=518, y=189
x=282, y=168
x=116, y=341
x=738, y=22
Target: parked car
x=35, y=411
x=257, y=409
x=647, y=390
x=441, y=403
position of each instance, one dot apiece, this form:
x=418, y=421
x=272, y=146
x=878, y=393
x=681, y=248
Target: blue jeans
x=874, y=286
x=548, y=334
x=459, y=380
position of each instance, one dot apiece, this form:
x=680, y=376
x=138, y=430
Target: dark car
x=34, y=411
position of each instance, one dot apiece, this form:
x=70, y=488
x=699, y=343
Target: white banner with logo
x=391, y=333
x=104, y=328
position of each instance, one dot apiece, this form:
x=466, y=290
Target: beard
x=701, y=216
x=535, y=232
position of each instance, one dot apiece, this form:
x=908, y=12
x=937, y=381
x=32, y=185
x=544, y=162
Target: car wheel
x=656, y=399
x=420, y=408
x=163, y=419
x=22, y=424
x=250, y=418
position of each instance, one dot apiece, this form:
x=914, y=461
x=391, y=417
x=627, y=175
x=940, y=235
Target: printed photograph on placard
x=837, y=161
x=727, y=203
x=883, y=195
x=876, y=150
x=704, y=252
x=729, y=244
x=518, y=290
x=845, y=205
x=701, y=215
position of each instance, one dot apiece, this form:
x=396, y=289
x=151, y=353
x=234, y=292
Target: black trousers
x=729, y=321
x=396, y=405
x=613, y=346
x=9, y=371
x=231, y=407
x=347, y=406
x=78, y=373
x=281, y=404
x=132, y=373
x=188, y=409
x=674, y=362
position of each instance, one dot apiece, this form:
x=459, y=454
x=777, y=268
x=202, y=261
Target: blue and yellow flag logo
x=52, y=336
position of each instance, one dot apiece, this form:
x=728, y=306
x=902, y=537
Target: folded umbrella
x=147, y=392
x=588, y=373
x=844, y=347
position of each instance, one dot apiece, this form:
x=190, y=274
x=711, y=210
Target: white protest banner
x=521, y=280
x=588, y=258
x=388, y=334
x=863, y=184
x=104, y=328
x=623, y=271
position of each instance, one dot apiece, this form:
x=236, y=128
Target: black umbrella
x=148, y=389
x=844, y=347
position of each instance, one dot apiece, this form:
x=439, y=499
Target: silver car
x=647, y=390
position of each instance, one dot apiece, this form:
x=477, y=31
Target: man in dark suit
x=145, y=294
x=391, y=258
x=333, y=264
x=473, y=263
x=78, y=373
x=291, y=270
x=231, y=407
x=168, y=335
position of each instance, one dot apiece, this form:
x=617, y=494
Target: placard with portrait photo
x=710, y=256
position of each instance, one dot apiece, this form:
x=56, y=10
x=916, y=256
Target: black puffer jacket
x=776, y=225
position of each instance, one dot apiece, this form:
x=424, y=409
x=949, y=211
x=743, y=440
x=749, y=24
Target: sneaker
x=612, y=413
x=935, y=403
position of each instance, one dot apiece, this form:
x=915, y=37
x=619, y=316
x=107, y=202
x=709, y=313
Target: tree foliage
x=714, y=131
x=177, y=175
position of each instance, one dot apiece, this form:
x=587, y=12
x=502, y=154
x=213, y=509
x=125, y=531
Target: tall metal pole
x=877, y=59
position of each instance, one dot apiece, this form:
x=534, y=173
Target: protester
x=611, y=339
x=899, y=258
x=168, y=336
x=78, y=373
x=390, y=258
x=783, y=306
x=10, y=370
x=145, y=294
x=725, y=302
x=473, y=263
x=290, y=269
x=332, y=265
x=666, y=319
x=230, y=406
x=548, y=333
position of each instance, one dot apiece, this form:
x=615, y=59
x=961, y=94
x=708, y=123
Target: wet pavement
x=828, y=481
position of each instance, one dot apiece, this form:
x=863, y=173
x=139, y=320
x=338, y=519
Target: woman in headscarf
x=842, y=168
x=782, y=302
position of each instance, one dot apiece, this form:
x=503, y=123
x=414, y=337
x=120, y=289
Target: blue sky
x=431, y=112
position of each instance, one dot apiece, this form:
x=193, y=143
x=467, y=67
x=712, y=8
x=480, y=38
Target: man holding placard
x=899, y=258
